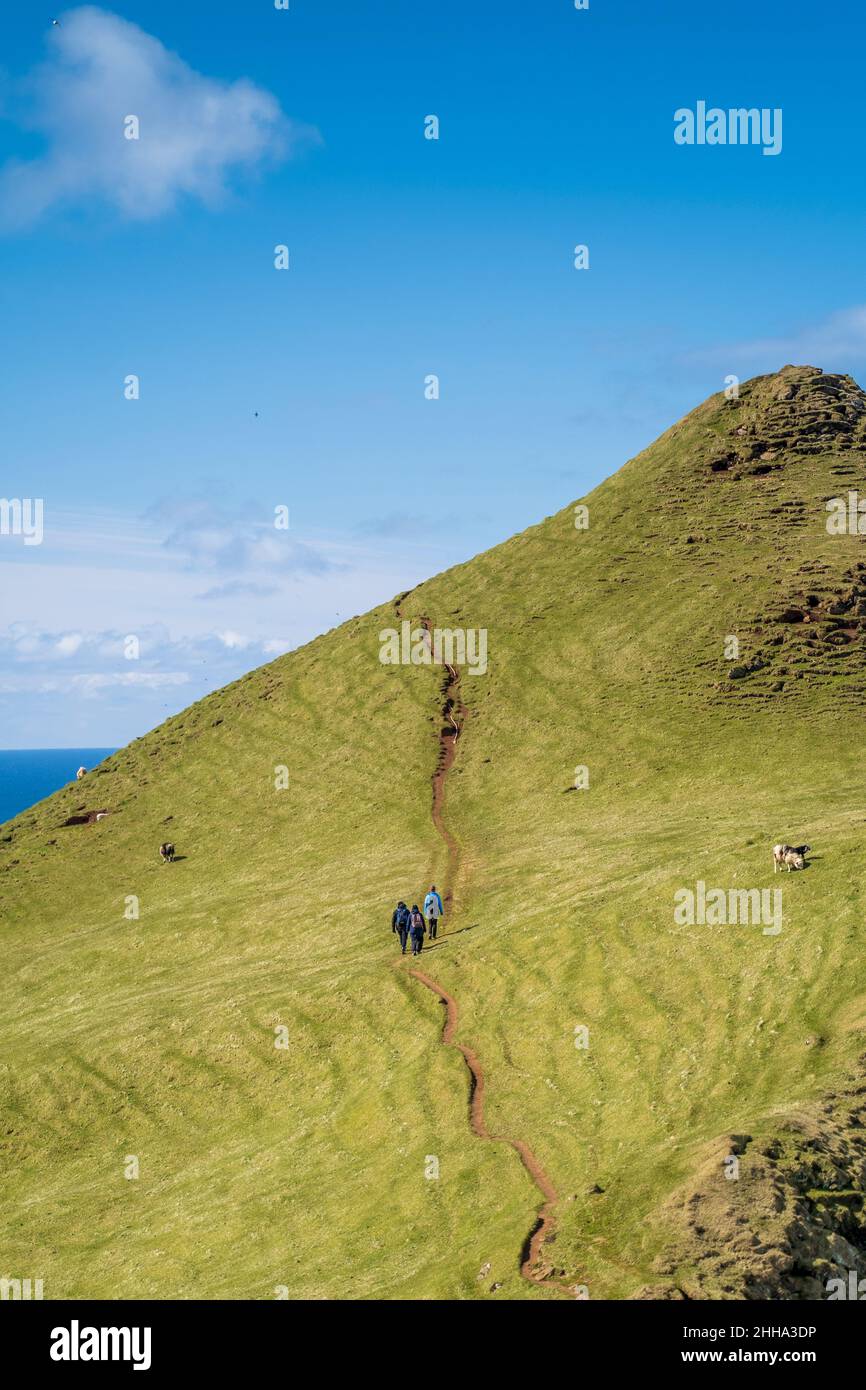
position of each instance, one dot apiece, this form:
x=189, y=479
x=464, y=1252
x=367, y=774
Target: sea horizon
x=28, y=775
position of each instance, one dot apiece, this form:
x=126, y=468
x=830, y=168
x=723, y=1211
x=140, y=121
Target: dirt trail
x=530, y=1262
x=454, y=711
x=532, y=1265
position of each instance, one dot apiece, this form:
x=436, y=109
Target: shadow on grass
x=443, y=940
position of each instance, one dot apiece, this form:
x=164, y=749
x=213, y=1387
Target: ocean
x=29, y=774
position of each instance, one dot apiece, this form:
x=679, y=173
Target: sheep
x=166, y=853
x=82, y=772
x=792, y=858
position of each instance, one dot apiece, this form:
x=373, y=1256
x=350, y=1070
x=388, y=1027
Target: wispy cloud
x=67, y=610
x=91, y=684
x=194, y=131
x=209, y=538
x=240, y=588
x=89, y=663
x=234, y=641
x=835, y=343
x=406, y=527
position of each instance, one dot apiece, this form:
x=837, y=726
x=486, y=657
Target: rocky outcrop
x=774, y=1217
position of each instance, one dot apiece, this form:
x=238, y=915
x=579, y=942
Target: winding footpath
x=532, y=1265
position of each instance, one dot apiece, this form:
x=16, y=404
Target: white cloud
x=90, y=683
x=240, y=588
x=98, y=660
x=194, y=131
x=835, y=343
x=106, y=576
x=211, y=539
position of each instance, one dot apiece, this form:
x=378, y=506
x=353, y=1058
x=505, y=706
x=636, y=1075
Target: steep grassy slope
x=305, y=1167
x=607, y=650
x=259, y=1167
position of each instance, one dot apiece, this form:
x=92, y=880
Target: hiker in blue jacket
x=400, y=924
x=416, y=930
x=432, y=910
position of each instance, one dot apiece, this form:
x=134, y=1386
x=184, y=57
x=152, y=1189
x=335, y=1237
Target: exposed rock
x=791, y=1218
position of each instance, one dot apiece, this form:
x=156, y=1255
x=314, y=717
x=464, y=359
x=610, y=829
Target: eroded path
x=532, y=1266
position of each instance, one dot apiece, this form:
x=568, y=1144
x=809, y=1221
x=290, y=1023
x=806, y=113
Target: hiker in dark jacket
x=416, y=930
x=400, y=924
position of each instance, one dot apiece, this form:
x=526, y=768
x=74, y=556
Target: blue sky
x=408, y=257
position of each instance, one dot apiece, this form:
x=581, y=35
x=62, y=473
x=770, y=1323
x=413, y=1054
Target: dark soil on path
x=532, y=1264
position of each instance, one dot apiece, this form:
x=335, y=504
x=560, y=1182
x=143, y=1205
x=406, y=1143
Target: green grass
x=305, y=1167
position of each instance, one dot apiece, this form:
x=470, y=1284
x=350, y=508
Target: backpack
x=402, y=917
x=417, y=921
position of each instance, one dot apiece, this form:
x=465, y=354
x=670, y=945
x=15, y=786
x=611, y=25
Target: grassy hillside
x=305, y=1167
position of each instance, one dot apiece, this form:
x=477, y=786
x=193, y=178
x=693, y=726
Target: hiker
x=432, y=910
x=416, y=930
x=400, y=924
